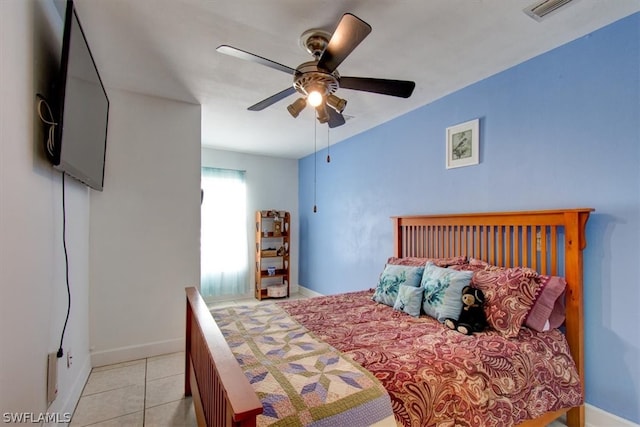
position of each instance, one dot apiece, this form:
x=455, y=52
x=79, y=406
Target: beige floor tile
x=164, y=390
x=221, y=304
x=107, y=405
x=175, y=414
x=119, y=365
x=250, y=301
x=165, y=365
x=118, y=377
x=131, y=420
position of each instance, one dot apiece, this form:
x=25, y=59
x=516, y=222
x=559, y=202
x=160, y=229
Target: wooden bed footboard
x=222, y=396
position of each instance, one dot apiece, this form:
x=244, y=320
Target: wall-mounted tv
x=82, y=109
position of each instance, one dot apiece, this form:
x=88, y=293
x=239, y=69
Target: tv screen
x=82, y=109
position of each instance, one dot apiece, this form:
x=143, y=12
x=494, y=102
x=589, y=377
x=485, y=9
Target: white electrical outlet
x=69, y=359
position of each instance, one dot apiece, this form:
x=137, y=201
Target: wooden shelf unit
x=272, y=250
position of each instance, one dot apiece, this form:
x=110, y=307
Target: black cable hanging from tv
x=66, y=263
x=49, y=143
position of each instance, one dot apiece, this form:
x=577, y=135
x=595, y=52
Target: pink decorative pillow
x=510, y=294
x=472, y=265
x=421, y=262
x=548, y=310
x=479, y=262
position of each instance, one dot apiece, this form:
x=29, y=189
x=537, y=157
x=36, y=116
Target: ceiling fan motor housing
x=309, y=77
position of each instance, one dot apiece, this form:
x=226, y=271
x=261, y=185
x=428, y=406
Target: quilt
x=439, y=377
x=300, y=380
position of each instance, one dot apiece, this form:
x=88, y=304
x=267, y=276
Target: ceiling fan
x=318, y=80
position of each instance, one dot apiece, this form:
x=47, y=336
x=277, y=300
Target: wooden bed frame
x=550, y=242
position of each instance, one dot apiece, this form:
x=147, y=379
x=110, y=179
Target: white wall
x=272, y=183
x=145, y=228
x=33, y=295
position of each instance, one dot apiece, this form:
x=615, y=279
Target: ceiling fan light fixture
x=297, y=107
x=323, y=115
x=336, y=103
x=314, y=98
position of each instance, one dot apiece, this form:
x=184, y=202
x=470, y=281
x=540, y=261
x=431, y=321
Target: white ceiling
x=166, y=48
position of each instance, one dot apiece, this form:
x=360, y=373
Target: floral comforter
x=439, y=377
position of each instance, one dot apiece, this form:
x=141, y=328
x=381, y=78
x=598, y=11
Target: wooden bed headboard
x=550, y=242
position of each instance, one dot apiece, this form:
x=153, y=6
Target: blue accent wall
x=559, y=130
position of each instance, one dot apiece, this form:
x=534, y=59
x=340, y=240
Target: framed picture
x=277, y=228
x=463, y=144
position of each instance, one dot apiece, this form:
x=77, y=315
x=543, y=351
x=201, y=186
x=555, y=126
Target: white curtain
x=223, y=233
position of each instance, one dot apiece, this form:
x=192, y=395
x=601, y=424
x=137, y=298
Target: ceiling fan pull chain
x=315, y=163
x=328, y=145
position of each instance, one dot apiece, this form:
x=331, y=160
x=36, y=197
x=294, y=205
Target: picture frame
x=463, y=144
x=277, y=228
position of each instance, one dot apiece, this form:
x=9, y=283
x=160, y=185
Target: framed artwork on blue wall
x=463, y=144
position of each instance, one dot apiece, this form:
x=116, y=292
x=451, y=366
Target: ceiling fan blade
x=335, y=119
x=350, y=32
x=248, y=56
x=401, y=88
x=272, y=99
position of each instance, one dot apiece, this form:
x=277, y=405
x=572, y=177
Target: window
x=223, y=233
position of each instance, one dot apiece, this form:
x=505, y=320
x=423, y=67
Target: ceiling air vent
x=544, y=8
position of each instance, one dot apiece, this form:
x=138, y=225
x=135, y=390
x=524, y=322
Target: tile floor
x=146, y=392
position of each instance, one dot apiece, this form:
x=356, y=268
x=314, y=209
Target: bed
x=550, y=242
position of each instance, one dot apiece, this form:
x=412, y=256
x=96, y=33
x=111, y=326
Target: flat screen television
x=82, y=109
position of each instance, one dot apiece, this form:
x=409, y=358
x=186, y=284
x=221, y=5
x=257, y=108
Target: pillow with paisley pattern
x=440, y=262
x=547, y=311
x=510, y=293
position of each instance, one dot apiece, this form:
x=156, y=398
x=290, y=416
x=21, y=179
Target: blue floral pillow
x=442, y=287
x=409, y=300
x=390, y=280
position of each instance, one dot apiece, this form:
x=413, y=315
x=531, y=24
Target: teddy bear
x=472, y=318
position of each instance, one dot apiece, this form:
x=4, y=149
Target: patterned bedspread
x=439, y=377
x=300, y=380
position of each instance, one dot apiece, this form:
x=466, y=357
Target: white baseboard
x=596, y=417
x=308, y=292
x=134, y=352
